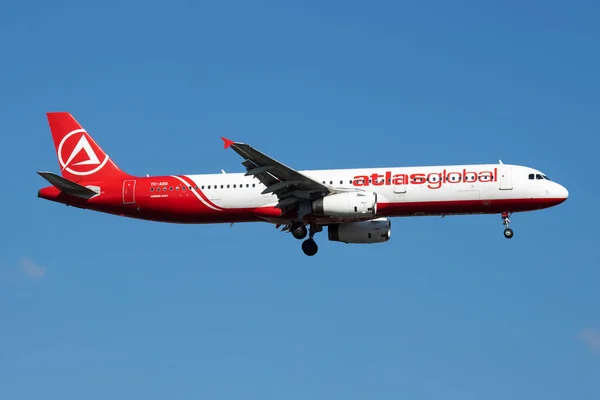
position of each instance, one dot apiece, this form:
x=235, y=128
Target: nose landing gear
x=508, y=233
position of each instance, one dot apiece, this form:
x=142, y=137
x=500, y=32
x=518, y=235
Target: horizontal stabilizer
x=68, y=187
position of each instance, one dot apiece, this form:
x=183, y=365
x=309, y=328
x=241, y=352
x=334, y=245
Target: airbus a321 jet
x=354, y=204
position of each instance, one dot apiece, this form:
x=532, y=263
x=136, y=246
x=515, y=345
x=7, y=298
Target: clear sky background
x=94, y=306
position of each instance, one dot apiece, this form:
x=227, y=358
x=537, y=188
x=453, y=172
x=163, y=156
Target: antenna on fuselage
x=500, y=161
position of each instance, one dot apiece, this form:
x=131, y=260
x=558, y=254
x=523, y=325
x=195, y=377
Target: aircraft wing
x=289, y=185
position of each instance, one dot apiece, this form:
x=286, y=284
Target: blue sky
x=94, y=306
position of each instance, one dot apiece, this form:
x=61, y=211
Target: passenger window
x=152, y=189
x=171, y=188
x=227, y=186
x=254, y=185
x=202, y=187
x=234, y=186
x=177, y=188
x=183, y=187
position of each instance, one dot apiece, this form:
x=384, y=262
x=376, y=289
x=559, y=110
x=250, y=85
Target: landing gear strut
x=309, y=246
x=508, y=233
x=299, y=230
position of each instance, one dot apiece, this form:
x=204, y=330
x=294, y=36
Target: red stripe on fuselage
x=193, y=185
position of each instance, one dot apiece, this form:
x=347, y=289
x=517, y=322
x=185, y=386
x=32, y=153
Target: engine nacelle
x=373, y=231
x=351, y=204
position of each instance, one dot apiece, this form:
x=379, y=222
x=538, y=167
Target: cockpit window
x=538, y=177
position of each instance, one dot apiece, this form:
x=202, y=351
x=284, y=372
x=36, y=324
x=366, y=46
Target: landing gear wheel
x=299, y=231
x=309, y=247
x=508, y=233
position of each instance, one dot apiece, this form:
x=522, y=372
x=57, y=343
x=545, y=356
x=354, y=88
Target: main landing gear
x=309, y=246
x=508, y=233
x=299, y=230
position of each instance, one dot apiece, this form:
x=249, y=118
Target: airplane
x=354, y=204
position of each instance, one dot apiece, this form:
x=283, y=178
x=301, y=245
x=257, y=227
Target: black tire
x=299, y=231
x=508, y=233
x=309, y=247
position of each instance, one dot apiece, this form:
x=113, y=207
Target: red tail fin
x=79, y=156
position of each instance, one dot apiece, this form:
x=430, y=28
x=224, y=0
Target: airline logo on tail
x=81, y=158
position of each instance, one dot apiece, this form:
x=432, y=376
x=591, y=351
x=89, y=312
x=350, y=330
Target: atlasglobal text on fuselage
x=433, y=180
x=355, y=205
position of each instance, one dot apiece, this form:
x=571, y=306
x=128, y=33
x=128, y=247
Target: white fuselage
x=484, y=182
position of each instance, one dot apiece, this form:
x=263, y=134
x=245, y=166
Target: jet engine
x=350, y=204
x=376, y=230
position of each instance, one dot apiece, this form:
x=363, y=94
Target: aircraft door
x=399, y=188
x=505, y=178
x=129, y=192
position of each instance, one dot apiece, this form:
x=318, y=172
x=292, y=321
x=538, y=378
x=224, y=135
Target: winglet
x=227, y=142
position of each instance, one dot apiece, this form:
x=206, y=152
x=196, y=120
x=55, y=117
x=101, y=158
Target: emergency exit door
x=129, y=192
x=399, y=188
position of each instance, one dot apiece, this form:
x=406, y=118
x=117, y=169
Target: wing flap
x=259, y=170
x=276, y=187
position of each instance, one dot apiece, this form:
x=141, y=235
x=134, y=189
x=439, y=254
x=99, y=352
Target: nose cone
x=560, y=192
